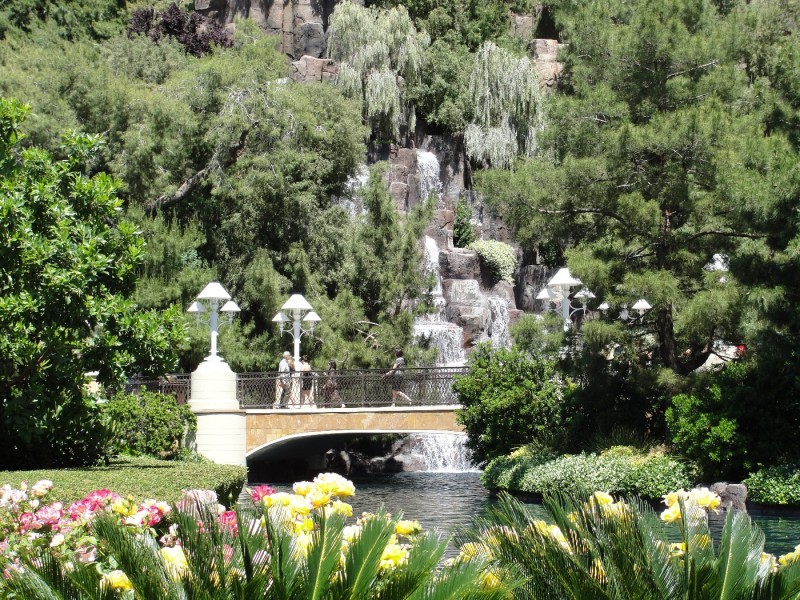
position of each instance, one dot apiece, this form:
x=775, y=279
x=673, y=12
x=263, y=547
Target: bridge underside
x=286, y=437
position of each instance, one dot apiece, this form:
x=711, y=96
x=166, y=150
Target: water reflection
x=448, y=501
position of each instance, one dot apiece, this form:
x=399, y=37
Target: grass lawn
x=140, y=478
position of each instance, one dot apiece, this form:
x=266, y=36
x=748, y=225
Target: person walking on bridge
x=395, y=376
x=284, y=385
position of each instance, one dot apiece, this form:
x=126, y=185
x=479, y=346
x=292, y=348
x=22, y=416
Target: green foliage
x=595, y=547
x=67, y=262
x=506, y=100
x=539, y=335
x=736, y=419
x=148, y=423
x=617, y=471
x=509, y=399
x=95, y=19
x=463, y=231
x=498, y=256
x=778, y=484
x=374, y=48
x=140, y=478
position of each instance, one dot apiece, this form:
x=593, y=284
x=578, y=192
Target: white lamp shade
x=230, y=307
x=296, y=302
x=585, y=294
x=641, y=305
x=213, y=291
x=281, y=318
x=312, y=318
x=195, y=308
x=563, y=278
x=545, y=294
x=603, y=306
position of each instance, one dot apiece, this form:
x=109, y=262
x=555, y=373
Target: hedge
x=140, y=478
x=618, y=470
x=775, y=485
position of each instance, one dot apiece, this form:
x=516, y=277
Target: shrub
x=463, y=233
x=149, y=423
x=509, y=399
x=617, y=471
x=498, y=256
x=775, y=485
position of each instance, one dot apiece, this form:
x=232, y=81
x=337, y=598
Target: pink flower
x=50, y=514
x=258, y=492
x=85, y=555
x=227, y=520
x=41, y=487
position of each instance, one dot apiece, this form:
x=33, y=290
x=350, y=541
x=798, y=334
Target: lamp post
x=301, y=313
x=556, y=291
x=213, y=295
x=641, y=306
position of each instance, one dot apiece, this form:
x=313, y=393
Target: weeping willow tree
x=378, y=52
x=507, y=102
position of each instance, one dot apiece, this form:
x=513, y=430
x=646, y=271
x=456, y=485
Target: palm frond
x=363, y=559
x=323, y=556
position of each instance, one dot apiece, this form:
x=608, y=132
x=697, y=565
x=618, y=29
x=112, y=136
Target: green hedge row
x=618, y=470
x=775, y=485
x=140, y=478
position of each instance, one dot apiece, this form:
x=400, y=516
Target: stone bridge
x=255, y=417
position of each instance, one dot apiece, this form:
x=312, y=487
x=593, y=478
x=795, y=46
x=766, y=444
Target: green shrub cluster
x=463, y=233
x=617, y=471
x=148, y=423
x=140, y=478
x=775, y=485
x=498, y=256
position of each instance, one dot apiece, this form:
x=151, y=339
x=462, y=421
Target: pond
x=447, y=501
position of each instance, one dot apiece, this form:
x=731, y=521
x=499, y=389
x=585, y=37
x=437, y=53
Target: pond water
x=447, y=501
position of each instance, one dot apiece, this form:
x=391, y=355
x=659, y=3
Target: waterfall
x=351, y=198
x=433, y=328
x=498, y=322
x=443, y=452
x=429, y=180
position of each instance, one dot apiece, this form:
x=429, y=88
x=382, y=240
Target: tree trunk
x=666, y=339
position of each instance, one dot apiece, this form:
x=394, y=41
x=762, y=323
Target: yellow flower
x=790, y=558
x=303, y=488
x=598, y=571
x=277, y=499
x=334, y=484
x=116, y=580
x=770, y=558
x=124, y=507
x=304, y=525
x=318, y=499
x=490, y=581
x=393, y=555
x=474, y=549
x=677, y=549
x=299, y=506
x=350, y=533
x=672, y=514
x=405, y=527
x=302, y=544
x=175, y=559
x=601, y=498
x=705, y=498
x=671, y=499
x=341, y=508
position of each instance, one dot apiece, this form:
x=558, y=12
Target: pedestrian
x=284, y=384
x=330, y=389
x=306, y=381
x=395, y=377
x=294, y=387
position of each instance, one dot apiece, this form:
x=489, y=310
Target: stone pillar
x=221, y=424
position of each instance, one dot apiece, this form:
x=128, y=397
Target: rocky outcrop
x=733, y=496
x=300, y=24
x=312, y=69
x=545, y=61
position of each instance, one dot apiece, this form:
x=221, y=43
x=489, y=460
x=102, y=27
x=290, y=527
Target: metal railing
x=348, y=388
x=179, y=386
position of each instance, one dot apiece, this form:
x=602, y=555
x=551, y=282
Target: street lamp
x=213, y=295
x=556, y=292
x=301, y=313
x=641, y=306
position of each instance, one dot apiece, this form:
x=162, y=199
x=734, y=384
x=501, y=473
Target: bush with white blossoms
x=284, y=545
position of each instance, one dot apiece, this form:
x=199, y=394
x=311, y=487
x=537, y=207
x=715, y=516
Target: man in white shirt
x=284, y=382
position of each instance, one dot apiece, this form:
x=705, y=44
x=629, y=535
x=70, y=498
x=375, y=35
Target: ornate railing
x=179, y=386
x=348, y=388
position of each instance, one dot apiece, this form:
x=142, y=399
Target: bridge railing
x=348, y=388
x=179, y=386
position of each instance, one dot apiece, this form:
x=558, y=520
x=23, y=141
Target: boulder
x=459, y=263
x=545, y=61
x=733, y=496
x=310, y=68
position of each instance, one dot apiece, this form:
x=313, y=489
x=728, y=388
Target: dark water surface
x=447, y=501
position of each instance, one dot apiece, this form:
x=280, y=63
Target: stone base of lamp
x=221, y=424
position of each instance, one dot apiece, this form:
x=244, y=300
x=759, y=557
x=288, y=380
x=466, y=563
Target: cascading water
x=443, y=452
x=351, y=198
x=497, y=331
x=433, y=328
x=429, y=180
